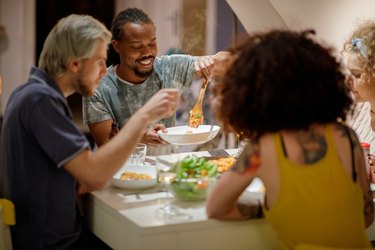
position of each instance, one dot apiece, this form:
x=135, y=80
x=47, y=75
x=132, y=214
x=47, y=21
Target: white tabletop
x=126, y=219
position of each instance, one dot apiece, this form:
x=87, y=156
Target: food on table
x=193, y=175
x=134, y=176
x=195, y=167
x=190, y=189
x=196, y=117
x=223, y=164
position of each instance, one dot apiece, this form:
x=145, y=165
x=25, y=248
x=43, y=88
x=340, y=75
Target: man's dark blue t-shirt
x=38, y=138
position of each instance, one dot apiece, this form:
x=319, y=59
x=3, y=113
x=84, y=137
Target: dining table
x=127, y=219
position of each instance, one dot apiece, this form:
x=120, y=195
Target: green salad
x=193, y=174
x=193, y=166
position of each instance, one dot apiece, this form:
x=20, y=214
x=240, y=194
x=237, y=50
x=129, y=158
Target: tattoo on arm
x=249, y=160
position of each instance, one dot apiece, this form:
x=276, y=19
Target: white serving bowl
x=184, y=135
x=136, y=184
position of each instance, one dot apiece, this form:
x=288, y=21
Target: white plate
x=184, y=135
x=136, y=184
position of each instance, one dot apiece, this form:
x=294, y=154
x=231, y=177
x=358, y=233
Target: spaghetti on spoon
x=196, y=114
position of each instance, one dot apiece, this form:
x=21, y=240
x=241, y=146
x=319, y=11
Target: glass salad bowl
x=195, y=177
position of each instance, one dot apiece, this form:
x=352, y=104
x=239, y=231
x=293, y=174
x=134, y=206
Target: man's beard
x=143, y=73
x=81, y=88
x=84, y=91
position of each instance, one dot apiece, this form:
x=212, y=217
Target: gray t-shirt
x=118, y=100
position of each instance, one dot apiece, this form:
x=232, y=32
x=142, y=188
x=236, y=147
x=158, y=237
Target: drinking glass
x=169, y=211
x=241, y=143
x=138, y=156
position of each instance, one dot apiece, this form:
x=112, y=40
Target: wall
x=193, y=35
x=179, y=23
x=333, y=20
x=257, y=14
x=227, y=26
x=17, y=48
x=165, y=14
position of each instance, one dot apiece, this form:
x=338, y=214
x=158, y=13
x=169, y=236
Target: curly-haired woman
x=288, y=94
x=359, y=50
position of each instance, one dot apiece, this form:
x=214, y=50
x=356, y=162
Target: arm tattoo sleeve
x=249, y=160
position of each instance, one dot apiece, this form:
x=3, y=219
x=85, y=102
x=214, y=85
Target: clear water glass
x=138, y=156
x=169, y=211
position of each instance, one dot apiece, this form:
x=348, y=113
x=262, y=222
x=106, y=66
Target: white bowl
x=184, y=135
x=136, y=184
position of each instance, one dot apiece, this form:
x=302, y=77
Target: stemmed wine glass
x=239, y=145
x=169, y=211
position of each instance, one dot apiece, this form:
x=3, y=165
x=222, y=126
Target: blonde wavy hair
x=366, y=32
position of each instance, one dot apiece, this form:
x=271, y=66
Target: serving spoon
x=196, y=114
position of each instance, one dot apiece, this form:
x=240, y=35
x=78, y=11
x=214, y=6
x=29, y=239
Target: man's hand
x=161, y=105
x=204, y=67
x=208, y=66
x=151, y=136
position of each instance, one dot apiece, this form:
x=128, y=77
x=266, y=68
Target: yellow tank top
x=317, y=204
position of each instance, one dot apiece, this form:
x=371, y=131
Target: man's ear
x=74, y=65
x=115, y=45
